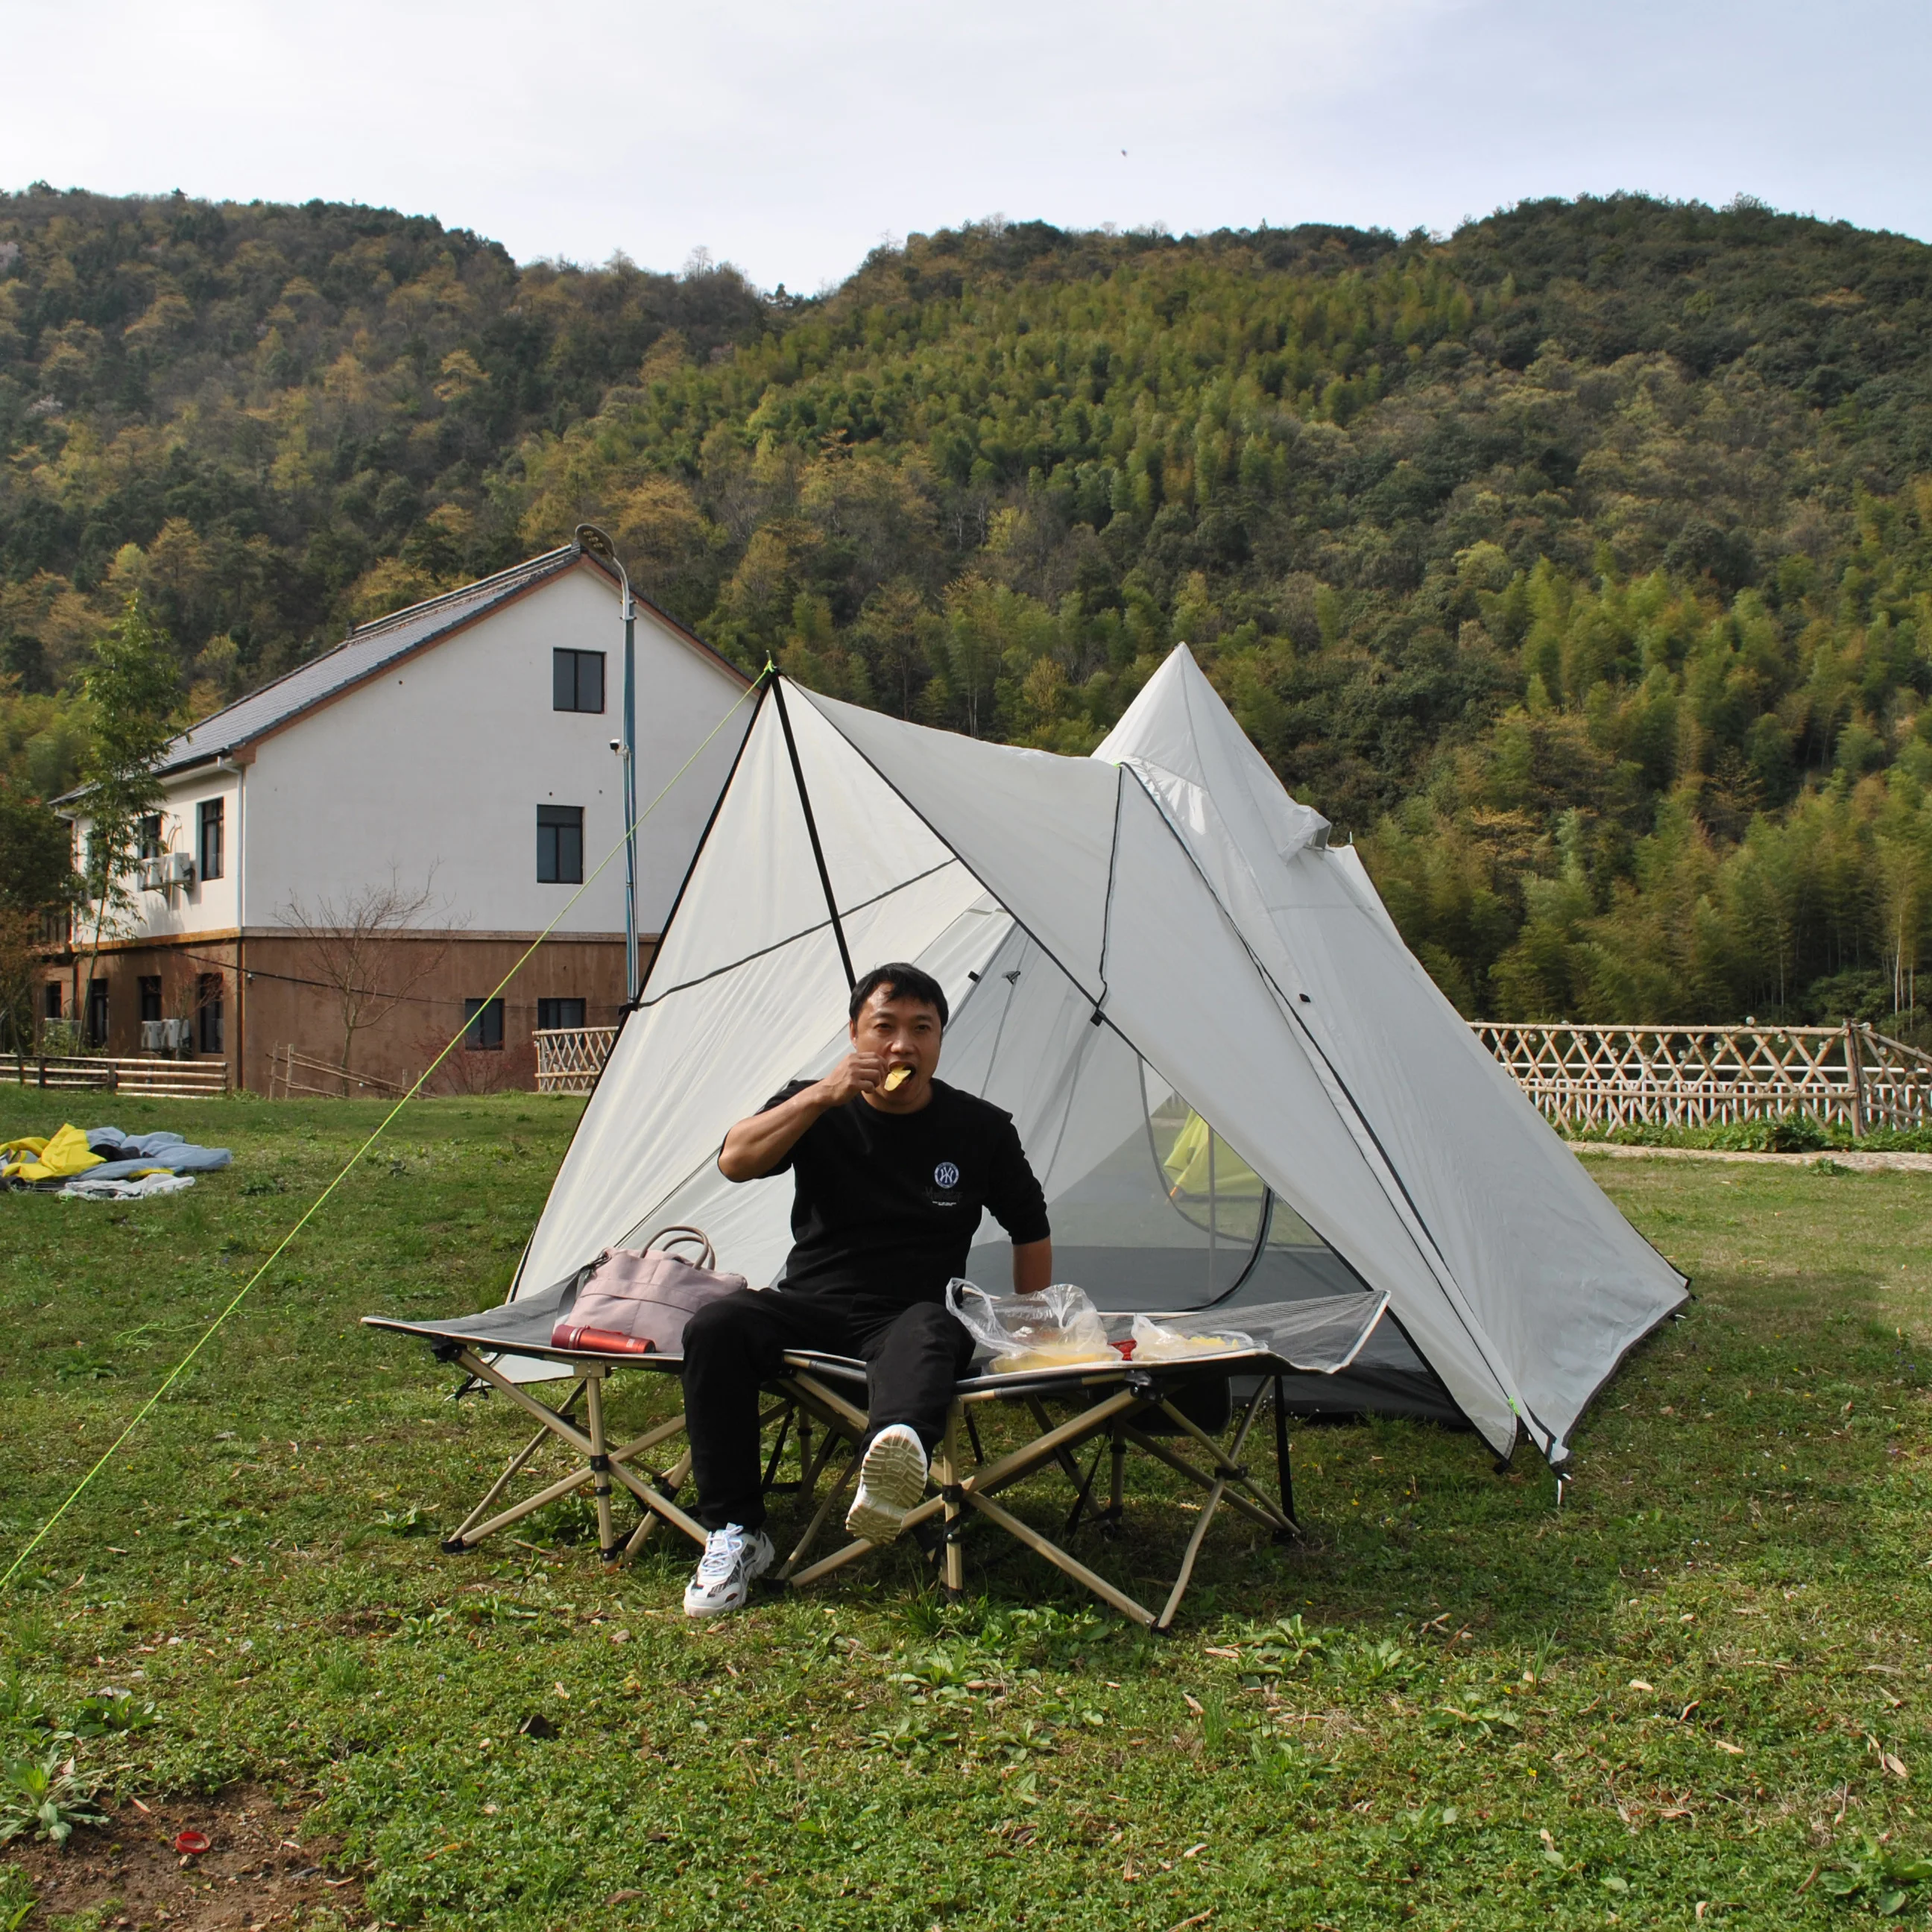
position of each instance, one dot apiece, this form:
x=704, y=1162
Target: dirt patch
x=261, y=1869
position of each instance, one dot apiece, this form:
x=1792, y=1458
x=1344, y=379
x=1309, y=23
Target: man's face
x=902, y=1033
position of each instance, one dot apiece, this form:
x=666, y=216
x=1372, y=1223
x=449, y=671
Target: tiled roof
x=369, y=651
x=362, y=655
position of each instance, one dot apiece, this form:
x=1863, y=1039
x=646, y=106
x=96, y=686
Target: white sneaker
x=734, y=1559
x=891, y=1480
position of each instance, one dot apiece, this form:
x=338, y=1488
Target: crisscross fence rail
x=1690, y=1076
x=570, y=1058
x=1601, y=1076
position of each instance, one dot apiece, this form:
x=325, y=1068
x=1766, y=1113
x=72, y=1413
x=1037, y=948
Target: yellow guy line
x=315, y=1206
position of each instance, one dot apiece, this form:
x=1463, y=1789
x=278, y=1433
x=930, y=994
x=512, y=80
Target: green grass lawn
x=1701, y=1683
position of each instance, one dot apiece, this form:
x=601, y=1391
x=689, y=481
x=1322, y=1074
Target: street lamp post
x=592, y=541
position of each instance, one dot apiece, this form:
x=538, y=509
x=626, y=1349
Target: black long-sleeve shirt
x=886, y=1205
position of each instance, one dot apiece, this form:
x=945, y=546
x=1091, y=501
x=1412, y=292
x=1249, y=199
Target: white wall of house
x=433, y=771
x=209, y=905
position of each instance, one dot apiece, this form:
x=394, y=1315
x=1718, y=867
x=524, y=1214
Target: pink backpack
x=636, y=1303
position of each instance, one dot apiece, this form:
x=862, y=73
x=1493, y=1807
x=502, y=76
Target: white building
x=461, y=752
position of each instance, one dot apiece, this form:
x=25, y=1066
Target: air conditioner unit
x=154, y=877
x=177, y=1036
x=154, y=1033
x=177, y=868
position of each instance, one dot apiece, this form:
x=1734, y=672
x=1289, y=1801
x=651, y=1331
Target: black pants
x=914, y=1356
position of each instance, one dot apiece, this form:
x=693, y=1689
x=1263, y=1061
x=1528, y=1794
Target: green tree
x=133, y=691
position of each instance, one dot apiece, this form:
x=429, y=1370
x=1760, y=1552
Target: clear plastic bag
x=1155, y=1341
x=1053, y=1329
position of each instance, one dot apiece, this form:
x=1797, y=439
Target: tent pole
x=811, y=829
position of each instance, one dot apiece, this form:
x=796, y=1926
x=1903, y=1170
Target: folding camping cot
x=1242, y=1094
x=1118, y=1406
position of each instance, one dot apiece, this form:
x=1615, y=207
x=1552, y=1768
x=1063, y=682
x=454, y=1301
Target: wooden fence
x=570, y=1058
x=164, y=1079
x=1603, y=1076
x=290, y=1073
x=1612, y=1076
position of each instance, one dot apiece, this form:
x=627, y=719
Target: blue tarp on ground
x=123, y=1154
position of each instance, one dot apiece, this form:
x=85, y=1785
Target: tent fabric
x=1156, y=936
x=1556, y=1279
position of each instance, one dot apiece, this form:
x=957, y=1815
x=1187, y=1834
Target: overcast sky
x=790, y=137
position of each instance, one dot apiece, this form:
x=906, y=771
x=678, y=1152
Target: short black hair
x=902, y=981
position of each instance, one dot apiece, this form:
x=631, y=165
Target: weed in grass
x=1882, y=1878
x=1213, y=1723
x=44, y=1797
x=112, y=1713
x=1287, y=1770
x=17, y=1898
x=83, y=1362
x=410, y=1521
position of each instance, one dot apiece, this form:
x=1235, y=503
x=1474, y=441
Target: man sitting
x=890, y=1169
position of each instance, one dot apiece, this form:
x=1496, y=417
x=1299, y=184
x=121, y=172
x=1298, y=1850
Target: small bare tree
x=352, y=942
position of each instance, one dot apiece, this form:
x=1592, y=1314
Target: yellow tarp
x=1186, y=1165
x=60, y=1157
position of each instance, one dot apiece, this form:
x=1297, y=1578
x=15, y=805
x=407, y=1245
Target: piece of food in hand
x=897, y=1078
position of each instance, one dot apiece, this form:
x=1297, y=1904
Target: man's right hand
x=755, y=1146
x=857, y=1073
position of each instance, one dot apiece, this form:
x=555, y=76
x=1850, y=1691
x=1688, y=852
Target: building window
x=552, y=1014
x=97, y=1012
x=484, y=1033
x=211, y=838
x=560, y=844
x=208, y=1009
x=576, y=680
x=151, y=996
x=53, y=1000
x=151, y=836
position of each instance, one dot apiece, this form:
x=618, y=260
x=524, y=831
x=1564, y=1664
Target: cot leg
x=454, y=1545
x=821, y=1515
x=811, y=1469
x=1284, y=1467
x=1069, y=1468
x=1079, y=1508
x=673, y=1481
x=1219, y=1488
x=945, y=1476
x=778, y=1448
x=600, y=1464
x=973, y=1436
x=1117, y=1487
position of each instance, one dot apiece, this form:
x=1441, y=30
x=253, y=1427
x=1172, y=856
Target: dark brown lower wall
x=270, y=1001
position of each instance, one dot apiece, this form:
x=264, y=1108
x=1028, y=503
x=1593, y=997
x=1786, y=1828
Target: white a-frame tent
x=1237, y=1084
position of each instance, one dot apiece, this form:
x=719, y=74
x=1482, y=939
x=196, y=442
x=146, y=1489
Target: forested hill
x=1577, y=564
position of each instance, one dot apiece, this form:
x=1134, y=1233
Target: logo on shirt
x=945, y=1175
